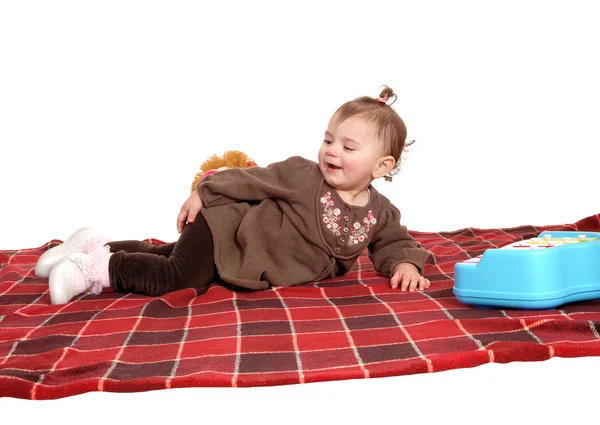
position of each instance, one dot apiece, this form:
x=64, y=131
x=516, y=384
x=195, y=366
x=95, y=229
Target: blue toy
x=544, y=272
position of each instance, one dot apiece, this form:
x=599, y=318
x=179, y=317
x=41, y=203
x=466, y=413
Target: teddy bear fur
x=229, y=159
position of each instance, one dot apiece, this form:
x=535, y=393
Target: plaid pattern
x=353, y=326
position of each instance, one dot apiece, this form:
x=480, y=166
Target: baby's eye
x=327, y=142
x=349, y=149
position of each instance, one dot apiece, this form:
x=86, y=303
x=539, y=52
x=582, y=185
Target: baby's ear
x=384, y=165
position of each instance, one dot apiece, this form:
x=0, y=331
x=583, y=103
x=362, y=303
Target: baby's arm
x=396, y=254
x=279, y=180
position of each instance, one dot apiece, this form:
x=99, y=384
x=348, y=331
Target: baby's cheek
x=351, y=166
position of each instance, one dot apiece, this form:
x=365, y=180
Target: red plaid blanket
x=353, y=326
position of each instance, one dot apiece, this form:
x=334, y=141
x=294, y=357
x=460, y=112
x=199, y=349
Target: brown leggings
x=144, y=268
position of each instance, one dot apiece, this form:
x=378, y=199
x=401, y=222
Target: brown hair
x=390, y=127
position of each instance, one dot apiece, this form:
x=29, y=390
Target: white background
x=108, y=108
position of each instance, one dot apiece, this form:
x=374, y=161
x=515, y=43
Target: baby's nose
x=332, y=150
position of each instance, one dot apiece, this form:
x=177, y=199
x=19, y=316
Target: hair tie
x=387, y=99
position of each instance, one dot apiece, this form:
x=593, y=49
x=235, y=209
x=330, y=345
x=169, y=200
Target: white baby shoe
x=79, y=272
x=83, y=240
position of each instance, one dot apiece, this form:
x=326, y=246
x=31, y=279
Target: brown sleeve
x=282, y=180
x=392, y=245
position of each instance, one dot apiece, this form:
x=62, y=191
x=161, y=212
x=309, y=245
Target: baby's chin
x=330, y=180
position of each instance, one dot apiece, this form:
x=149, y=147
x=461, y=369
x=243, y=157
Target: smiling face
x=351, y=155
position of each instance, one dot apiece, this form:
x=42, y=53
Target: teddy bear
x=229, y=159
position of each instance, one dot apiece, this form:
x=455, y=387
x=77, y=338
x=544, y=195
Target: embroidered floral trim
x=332, y=215
x=359, y=231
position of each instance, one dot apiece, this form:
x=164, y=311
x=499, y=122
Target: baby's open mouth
x=333, y=167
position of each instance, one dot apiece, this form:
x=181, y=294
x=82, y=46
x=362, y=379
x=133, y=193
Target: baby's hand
x=189, y=210
x=407, y=276
x=192, y=206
